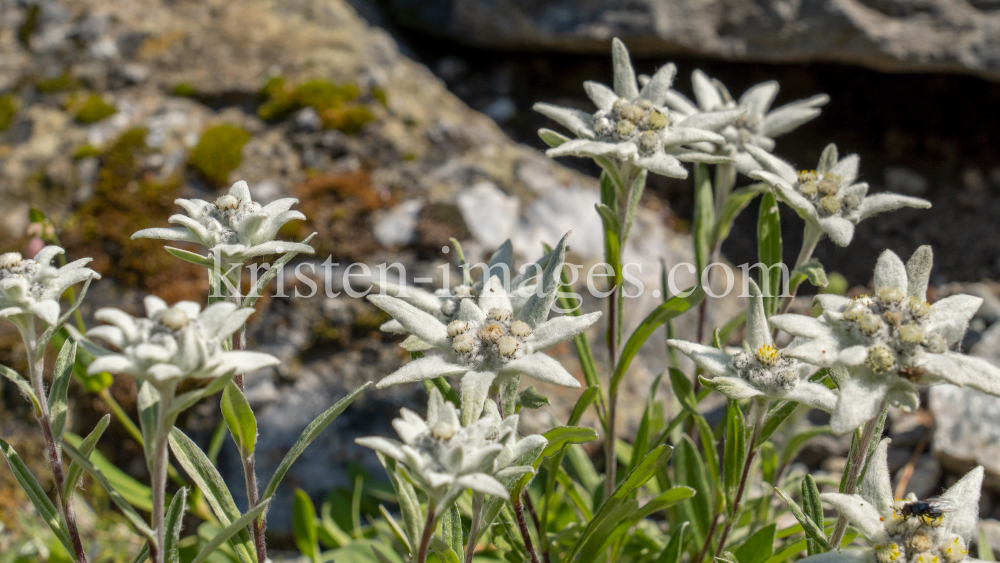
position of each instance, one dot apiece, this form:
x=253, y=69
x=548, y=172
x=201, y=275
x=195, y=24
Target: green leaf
x=674, y=307
x=397, y=531
x=640, y=446
x=192, y=257
x=813, y=508
x=735, y=450
x=788, y=551
x=704, y=216
x=143, y=554
x=612, y=243
x=308, y=435
x=580, y=342
x=689, y=470
x=135, y=493
x=447, y=391
x=86, y=447
x=769, y=250
x=409, y=505
x=58, y=401
x=635, y=194
x=187, y=400
x=172, y=525
x=130, y=514
x=239, y=416
x=563, y=436
x=36, y=494
x=451, y=529
x=530, y=398
x=758, y=547
x=984, y=550
x=628, y=514
x=613, y=510
x=737, y=201
x=304, y=526
x=793, y=445
x=711, y=455
x=675, y=547
x=258, y=288
x=812, y=530
x=727, y=329
x=445, y=552
x=586, y=398
x=36, y=215
x=148, y=403
x=768, y=462
x=683, y=390
x=776, y=415
x=812, y=271
x=237, y=527
x=23, y=386
x=551, y=138
x=198, y=467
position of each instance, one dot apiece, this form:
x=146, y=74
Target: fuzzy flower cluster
x=234, y=228
x=757, y=126
x=892, y=341
x=445, y=458
x=174, y=343
x=896, y=532
x=633, y=126
x=761, y=371
x=33, y=286
x=828, y=197
x=487, y=342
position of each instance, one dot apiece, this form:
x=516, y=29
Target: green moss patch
x=219, y=152
x=94, y=109
x=336, y=104
x=8, y=108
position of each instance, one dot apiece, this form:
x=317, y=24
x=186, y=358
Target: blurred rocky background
x=401, y=123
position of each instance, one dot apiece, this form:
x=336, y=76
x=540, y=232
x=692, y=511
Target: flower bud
x=921, y=541
x=649, y=142
x=889, y=553
x=520, y=329
x=881, y=359
x=632, y=113
x=919, y=307
x=491, y=332
x=10, y=260
x=625, y=128
x=827, y=188
x=174, y=318
x=807, y=188
x=645, y=104
x=891, y=295
x=893, y=317
x=502, y=315
x=870, y=323
x=457, y=327
x=443, y=430
x=954, y=550
x=463, y=343
x=657, y=119
x=227, y=202
x=768, y=354
x=507, y=346
x=830, y=204
x=911, y=333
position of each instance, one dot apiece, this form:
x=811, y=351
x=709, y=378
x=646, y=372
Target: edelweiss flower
x=486, y=341
x=445, y=303
x=174, y=343
x=828, y=197
x=763, y=371
x=757, y=126
x=234, y=228
x=445, y=458
x=896, y=538
x=891, y=341
x=634, y=126
x=34, y=286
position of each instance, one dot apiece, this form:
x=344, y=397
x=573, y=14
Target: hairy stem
x=259, y=524
x=519, y=512
x=159, y=484
x=477, y=521
x=857, y=462
x=425, y=539
x=36, y=369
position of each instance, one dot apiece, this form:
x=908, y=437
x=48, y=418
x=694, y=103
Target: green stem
x=857, y=463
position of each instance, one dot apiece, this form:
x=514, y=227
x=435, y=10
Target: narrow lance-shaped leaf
x=812, y=529
x=451, y=529
x=173, y=524
x=769, y=250
x=37, y=495
x=304, y=526
x=813, y=508
x=240, y=525
x=240, y=418
x=704, y=217
x=23, y=386
x=735, y=450
x=86, y=447
x=58, y=394
x=675, y=547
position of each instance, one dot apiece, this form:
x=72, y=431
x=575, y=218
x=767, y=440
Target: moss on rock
x=218, y=152
x=335, y=103
x=94, y=109
x=8, y=108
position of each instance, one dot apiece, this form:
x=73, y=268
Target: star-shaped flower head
x=444, y=457
x=633, y=126
x=763, y=371
x=890, y=341
x=828, y=197
x=487, y=342
x=33, y=286
x=234, y=228
x=445, y=303
x=757, y=126
x=896, y=532
x=174, y=343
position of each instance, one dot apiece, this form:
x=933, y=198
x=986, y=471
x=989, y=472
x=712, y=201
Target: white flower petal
x=705, y=91
x=243, y=361
x=860, y=513
x=847, y=169
x=878, y=203
x=950, y=316
x=773, y=164
x=117, y=317
x=965, y=496
x=153, y=305
x=918, y=272
x=110, y=334
x=420, y=323
x=799, y=325
x=656, y=89
x=860, y=400
x=561, y=329
x=662, y=164
x=543, y=368
x=625, y=83
x=876, y=486
x=421, y=369
x=592, y=149
x=979, y=373
x=813, y=394
x=788, y=117
x=468, y=311
x=112, y=363
x=690, y=135
x=241, y=191
x=732, y=387
x=602, y=96
x=573, y=119
x=494, y=296
x=47, y=310
x=482, y=483
x=758, y=98
x=853, y=356
x=708, y=357
x=679, y=103
x=843, y=556
x=840, y=230
x=713, y=120
x=831, y=302
x=168, y=233
x=890, y=272
x=383, y=445
x=758, y=334
x=475, y=390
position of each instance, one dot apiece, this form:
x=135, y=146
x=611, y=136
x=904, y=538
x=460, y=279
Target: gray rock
x=923, y=481
x=896, y=35
x=967, y=431
x=396, y=227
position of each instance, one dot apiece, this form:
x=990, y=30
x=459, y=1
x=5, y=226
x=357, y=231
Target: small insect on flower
x=930, y=512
